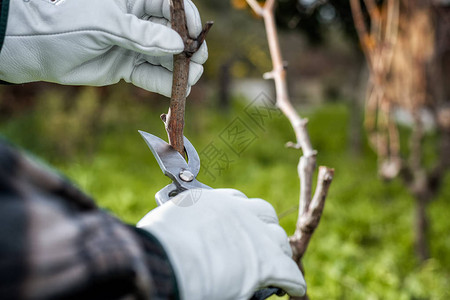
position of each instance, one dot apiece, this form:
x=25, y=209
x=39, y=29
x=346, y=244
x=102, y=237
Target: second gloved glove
x=96, y=42
x=224, y=245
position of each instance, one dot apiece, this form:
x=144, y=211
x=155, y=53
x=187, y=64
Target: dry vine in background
x=378, y=46
x=399, y=48
x=174, y=120
x=310, y=207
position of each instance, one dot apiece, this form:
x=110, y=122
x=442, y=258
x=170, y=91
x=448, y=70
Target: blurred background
x=376, y=95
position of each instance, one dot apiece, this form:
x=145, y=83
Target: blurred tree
x=405, y=43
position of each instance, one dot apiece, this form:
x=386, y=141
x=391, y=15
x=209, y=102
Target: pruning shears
x=184, y=177
x=183, y=174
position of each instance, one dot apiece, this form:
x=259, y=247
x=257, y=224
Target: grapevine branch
x=398, y=40
x=174, y=120
x=310, y=207
x=378, y=44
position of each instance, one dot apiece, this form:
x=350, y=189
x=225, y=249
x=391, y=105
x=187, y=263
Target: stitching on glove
x=53, y=2
x=92, y=30
x=267, y=219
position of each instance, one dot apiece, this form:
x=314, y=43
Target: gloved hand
x=96, y=42
x=224, y=245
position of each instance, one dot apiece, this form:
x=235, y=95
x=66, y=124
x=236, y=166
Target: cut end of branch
x=326, y=173
x=202, y=36
x=192, y=45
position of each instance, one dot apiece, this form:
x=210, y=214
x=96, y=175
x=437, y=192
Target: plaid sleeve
x=56, y=244
x=4, y=8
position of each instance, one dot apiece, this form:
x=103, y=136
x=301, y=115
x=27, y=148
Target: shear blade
x=193, y=158
x=170, y=161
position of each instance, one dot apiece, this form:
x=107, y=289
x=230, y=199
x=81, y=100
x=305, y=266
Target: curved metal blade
x=193, y=158
x=170, y=161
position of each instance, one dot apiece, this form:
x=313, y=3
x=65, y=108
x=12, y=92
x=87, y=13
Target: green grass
x=363, y=248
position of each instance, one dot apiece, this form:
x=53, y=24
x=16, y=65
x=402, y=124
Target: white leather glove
x=223, y=245
x=96, y=42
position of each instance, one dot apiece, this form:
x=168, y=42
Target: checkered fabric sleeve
x=4, y=8
x=56, y=244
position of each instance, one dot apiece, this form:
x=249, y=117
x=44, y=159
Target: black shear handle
x=267, y=292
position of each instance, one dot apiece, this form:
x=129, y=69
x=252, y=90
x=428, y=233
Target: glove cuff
x=161, y=269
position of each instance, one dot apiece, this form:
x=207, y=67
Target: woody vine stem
x=174, y=120
x=310, y=206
